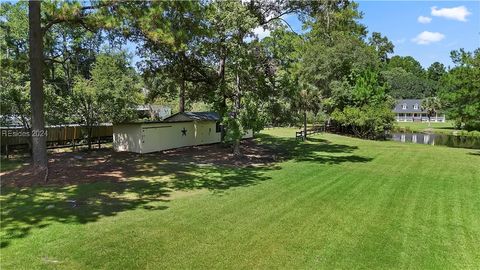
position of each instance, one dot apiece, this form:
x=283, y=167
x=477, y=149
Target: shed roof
x=410, y=106
x=193, y=116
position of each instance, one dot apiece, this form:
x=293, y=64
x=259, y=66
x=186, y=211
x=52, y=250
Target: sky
x=426, y=30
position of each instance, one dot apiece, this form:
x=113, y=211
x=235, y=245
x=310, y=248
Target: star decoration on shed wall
x=184, y=132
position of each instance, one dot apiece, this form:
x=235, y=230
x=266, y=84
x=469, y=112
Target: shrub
x=368, y=121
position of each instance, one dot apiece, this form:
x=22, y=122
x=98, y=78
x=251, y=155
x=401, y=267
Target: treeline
x=87, y=76
x=207, y=52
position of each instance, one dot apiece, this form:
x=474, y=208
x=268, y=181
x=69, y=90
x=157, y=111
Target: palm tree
x=431, y=105
x=308, y=100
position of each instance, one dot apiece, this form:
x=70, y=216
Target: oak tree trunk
x=236, y=148
x=183, y=83
x=236, y=143
x=305, y=125
x=89, y=135
x=39, y=148
x=181, y=105
x=221, y=78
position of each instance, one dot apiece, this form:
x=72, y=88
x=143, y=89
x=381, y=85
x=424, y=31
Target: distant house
x=178, y=130
x=410, y=110
x=153, y=111
x=11, y=120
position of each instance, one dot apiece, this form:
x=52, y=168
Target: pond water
x=437, y=139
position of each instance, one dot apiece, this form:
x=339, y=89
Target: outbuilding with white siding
x=178, y=130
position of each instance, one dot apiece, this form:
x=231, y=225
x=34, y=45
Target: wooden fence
x=15, y=138
x=310, y=131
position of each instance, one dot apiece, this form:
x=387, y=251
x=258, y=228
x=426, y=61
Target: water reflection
x=438, y=139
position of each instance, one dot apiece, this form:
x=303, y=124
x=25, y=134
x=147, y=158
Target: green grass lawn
x=334, y=202
x=439, y=128
x=444, y=128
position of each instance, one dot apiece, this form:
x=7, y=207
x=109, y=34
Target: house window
x=415, y=107
x=218, y=127
x=404, y=106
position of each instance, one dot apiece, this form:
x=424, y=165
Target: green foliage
x=407, y=78
x=243, y=78
x=368, y=109
x=282, y=49
x=253, y=115
x=233, y=129
x=58, y=106
x=403, y=84
x=333, y=17
x=368, y=90
x=382, y=45
x=69, y=51
x=14, y=30
x=103, y=99
x=407, y=63
x=322, y=64
x=436, y=71
x=369, y=121
x=335, y=49
x=14, y=92
x=461, y=89
x=87, y=103
x=431, y=105
x=14, y=100
x=170, y=34
x=207, y=53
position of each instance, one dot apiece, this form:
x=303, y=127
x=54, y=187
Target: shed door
x=204, y=132
x=201, y=133
x=156, y=138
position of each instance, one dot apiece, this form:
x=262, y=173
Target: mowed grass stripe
x=248, y=207
x=367, y=189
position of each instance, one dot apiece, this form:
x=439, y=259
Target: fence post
x=65, y=129
x=74, y=134
x=98, y=136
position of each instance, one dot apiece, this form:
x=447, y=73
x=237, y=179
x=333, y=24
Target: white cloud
x=459, y=13
x=400, y=41
x=427, y=37
x=261, y=32
x=424, y=19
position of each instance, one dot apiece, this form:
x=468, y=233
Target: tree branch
x=289, y=26
x=76, y=18
x=55, y=60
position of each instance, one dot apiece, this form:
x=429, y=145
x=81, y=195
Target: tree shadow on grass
x=476, y=153
x=129, y=182
x=38, y=207
x=315, y=149
x=189, y=176
x=103, y=184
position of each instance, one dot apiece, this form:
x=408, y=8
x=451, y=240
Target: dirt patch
x=107, y=165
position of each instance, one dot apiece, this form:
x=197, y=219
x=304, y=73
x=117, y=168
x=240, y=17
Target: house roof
x=193, y=116
x=410, y=106
x=153, y=107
